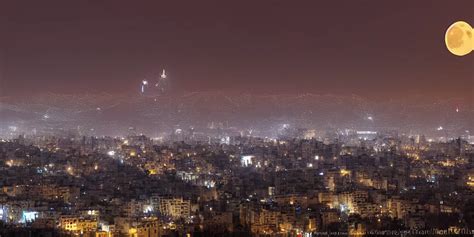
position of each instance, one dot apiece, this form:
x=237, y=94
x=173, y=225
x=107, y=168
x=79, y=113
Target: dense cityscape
x=236, y=118
x=347, y=183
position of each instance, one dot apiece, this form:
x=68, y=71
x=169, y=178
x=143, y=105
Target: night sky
x=375, y=49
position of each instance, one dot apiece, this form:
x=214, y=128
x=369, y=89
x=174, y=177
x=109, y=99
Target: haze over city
x=236, y=118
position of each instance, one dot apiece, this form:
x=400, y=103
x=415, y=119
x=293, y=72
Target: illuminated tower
x=163, y=74
x=162, y=84
x=160, y=87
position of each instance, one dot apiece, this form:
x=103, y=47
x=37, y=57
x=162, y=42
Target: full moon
x=459, y=39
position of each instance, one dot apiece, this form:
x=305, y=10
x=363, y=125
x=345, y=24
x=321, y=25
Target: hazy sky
x=379, y=49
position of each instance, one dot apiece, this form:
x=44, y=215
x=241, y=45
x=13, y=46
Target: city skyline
x=264, y=118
